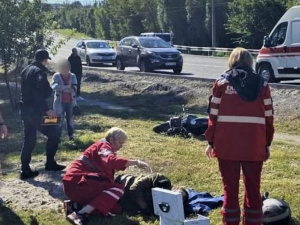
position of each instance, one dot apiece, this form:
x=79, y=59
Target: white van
x=167, y=37
x=279, y=58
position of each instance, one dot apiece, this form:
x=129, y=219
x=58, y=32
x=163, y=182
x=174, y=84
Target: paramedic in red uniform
x=239, y=134
x=89, y=181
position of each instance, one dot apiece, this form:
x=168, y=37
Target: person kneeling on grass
x=89, y=181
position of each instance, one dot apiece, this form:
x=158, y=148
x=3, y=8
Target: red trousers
x=102, y=195
x=230, y=172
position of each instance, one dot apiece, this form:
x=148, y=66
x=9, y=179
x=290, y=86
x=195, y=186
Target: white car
x=96, y=52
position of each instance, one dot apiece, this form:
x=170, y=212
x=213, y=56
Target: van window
x=295, y=32
x=278, y=36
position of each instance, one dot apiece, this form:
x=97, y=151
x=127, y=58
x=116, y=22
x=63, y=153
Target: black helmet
x=276, y=212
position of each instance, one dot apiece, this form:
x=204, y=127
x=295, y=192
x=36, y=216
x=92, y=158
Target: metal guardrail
x=211, y=51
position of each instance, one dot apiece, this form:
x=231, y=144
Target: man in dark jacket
x=35, y=90
x=76, y=68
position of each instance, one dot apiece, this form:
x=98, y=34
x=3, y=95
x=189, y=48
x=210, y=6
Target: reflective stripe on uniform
x=233, y=219
x=253, y=211
x=226, y=210
x=216, y=100
x=268, y=101
x=112, y=194
x=269, y=113
x=214, y=111
x=117, y=189
x=242, y=119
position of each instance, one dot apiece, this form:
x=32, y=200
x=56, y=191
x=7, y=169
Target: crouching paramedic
x=240, y=132
x=90, y=179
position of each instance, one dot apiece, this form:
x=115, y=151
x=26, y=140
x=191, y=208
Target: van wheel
x=265, y=70
x=119, y=64
x=143, y=66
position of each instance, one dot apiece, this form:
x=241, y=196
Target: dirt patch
x=43, y=192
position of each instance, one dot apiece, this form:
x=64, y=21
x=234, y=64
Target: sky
x=84, y=2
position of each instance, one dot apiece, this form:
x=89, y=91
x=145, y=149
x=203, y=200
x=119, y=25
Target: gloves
x=144, y=165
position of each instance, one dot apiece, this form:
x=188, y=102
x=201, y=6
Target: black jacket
x=76, y=65
x=35, y=90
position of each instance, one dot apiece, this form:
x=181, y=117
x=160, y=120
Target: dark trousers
x=78, y=83
x=52, y=132
x=67, y=111
x=230, y=171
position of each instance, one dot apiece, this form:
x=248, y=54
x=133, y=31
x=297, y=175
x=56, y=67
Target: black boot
x=26, y=174
x=53, y=166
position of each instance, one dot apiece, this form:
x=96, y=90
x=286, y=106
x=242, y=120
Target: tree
x=22, y=32
x=250, y=20
x=196, y=15
x=172, y=17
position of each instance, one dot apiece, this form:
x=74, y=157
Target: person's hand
x=268, y=153
x=209, y=152
x=51, y=114
x=3, y=131
x=68, y=88
x=144, y=165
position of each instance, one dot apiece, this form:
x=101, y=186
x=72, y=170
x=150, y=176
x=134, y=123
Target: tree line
x=237, y=22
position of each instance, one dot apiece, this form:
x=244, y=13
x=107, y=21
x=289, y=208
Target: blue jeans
x=30, y=130
x=67, y=112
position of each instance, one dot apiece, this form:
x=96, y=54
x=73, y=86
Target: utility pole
x=213, y=24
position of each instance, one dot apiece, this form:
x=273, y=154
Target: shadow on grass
x=9, y=217
x=53, y=184
x=122, y=219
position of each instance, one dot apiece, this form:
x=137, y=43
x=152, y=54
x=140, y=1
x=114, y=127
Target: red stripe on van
x=294, y=49
x=275, y=50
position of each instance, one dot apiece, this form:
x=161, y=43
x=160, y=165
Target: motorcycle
x=183, y=125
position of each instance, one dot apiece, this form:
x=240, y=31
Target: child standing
x=65, y=86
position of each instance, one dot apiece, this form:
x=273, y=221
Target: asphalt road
x=193, y=66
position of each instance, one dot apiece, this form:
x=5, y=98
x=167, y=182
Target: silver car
x=96, y=52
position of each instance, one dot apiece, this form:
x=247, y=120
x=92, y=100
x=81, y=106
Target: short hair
x=115, y=133
x=240, y=57
x=63, y=64
x=74, y=49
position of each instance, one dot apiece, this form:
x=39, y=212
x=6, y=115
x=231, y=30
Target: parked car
x=279, y=58
x=148, y=53
x=96, y=52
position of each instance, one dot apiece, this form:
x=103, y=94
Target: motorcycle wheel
x=161, y=128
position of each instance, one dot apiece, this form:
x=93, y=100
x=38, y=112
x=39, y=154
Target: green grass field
x=71, y=33
x=182, y=160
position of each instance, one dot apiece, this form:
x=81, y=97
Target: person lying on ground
x=137, y=197
x=89, y=181
x=198, y=202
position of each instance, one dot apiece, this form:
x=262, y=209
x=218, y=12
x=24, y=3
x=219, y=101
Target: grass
x=71, y=33
x=182, y=160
